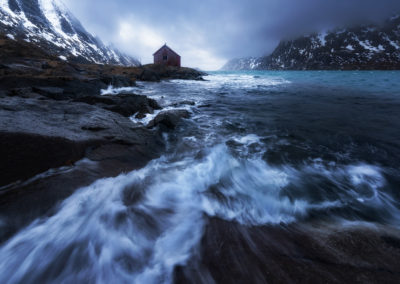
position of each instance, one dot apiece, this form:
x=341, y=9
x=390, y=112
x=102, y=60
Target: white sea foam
x=234, y=81
x=111, y=240
x=137, y=227
x=246, y=81
x=248, y=139
x=111, y=90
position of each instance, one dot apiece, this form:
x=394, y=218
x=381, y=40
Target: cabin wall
x=172, y=58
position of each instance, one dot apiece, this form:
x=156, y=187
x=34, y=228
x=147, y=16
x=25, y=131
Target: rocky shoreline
x=52, y=117
x=58, y=134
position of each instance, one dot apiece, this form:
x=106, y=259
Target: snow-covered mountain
x=50, y=25
x=362, y=47
x=247, y=63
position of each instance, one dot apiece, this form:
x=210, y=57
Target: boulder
x=169, y=118
x=124, y=104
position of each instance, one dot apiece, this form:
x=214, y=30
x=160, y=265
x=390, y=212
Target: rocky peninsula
x=55, y=123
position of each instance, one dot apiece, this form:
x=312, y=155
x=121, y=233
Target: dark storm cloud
x=207, y=32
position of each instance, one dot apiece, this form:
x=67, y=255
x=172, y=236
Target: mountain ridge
x=50, y=25
x=366, y=47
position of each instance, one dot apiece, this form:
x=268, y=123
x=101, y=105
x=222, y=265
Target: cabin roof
x=166, y=46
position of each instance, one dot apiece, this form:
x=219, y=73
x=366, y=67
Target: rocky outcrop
x=57, y=133
x=38, y=133
x=24, y=65
x=51, y=147
x=154, y=72
x=125, y=104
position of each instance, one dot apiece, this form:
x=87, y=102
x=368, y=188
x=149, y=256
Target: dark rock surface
x=124, y=104
x=41, y=133
x=169, y=118
x=153, y=72
x=232, y=253
x=68, y=144
x=24, y=154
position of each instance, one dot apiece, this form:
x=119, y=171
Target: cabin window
x=165, y=57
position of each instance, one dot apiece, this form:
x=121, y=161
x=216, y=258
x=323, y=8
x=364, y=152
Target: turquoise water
x=367, y=81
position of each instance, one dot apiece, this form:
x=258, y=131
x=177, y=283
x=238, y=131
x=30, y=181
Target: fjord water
x=260, y=149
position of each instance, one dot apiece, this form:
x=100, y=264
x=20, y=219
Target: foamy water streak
x=111, y=90
x=138, y=227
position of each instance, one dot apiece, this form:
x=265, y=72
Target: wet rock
x=182, y=103
x=169, y=118
x=128, y=105
x=38, y=197
x=140, y=115
x=124, y=104
x=25, y=154
x=51, y=86
x=96, y=100
x=50, y=92
x=235, y=253
x=37, y=135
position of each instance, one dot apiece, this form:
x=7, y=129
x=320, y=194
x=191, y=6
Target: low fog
x=207, y=33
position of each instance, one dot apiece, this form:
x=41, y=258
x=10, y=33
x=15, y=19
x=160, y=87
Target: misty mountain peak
x=50, y=25
x=358, y=47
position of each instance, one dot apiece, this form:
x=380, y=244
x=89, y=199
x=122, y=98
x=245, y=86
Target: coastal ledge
x=50, y=148
x=43, y=97
x=24, y=64
x=57, y=133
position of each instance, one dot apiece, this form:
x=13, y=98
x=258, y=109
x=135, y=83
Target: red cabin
x=166, y=56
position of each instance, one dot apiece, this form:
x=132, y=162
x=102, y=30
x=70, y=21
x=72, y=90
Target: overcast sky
x=207, y=33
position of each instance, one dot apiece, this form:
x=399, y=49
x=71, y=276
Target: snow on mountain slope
x=363, y=47
x=248, y=63
x=50, y=25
